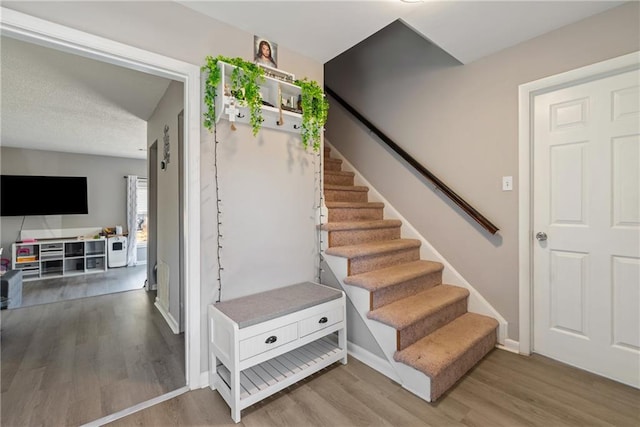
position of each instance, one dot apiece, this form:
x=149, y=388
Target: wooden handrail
x=470, y=210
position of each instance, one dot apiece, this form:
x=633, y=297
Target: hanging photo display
x=265, y=52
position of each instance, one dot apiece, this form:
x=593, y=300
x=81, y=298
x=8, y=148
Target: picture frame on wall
x=265, y=52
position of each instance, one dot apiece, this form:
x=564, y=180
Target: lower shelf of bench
x=271, y=376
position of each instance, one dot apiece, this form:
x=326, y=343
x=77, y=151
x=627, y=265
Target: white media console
x=42, y=259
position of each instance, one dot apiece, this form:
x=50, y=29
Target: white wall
x=269, y=194
x=106, y=189
x=168, y=235
x=169, y=29
x=461, y=122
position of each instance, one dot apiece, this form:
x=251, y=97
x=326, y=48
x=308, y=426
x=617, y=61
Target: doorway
x=583, y=241
x=27, y=28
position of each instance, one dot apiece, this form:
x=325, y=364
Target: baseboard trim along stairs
x=432, y=326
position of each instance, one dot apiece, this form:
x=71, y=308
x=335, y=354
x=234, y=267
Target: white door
x=586, y=198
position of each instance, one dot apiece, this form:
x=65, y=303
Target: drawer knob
x=323, y=320
x=271, y=339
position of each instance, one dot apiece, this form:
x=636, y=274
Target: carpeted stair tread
x=332, y=164
x=361, y=225
x=341, y=173
x=358, y=188
x=353, y=205
x=390, y=276
x=407, y=311
x=373, y=248
x=440, y=349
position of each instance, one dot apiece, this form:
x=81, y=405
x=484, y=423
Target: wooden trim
x=462, y=204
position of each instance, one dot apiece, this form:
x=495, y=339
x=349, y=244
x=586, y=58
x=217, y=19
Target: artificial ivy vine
x=245, y=87
x=315, y=109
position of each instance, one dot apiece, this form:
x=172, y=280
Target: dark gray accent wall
x=461, y=122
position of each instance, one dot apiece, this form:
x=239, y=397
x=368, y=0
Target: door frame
x=34, y=30
x=526, y=95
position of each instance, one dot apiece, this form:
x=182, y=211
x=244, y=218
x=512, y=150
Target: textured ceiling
x=57, y=101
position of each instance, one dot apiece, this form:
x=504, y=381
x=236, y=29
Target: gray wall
x=461, y=122
x=168, y=227
x=106, y=188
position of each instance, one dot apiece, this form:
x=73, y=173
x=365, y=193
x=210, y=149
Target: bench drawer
x=268, y=340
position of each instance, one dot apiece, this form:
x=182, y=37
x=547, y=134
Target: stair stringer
x=476, y=302
x=411, y=379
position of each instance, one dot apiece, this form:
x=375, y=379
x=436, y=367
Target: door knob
x=541, y=236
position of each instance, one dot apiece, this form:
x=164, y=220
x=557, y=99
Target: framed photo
x=265, y=52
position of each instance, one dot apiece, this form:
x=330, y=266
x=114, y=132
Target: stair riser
x=332, y=165
x=374, y=262
x=338, y=179
x=345, y=196
x=354, y=214
x=353, y=237
x=420, y=329
x=405, y=289
x=441, y=383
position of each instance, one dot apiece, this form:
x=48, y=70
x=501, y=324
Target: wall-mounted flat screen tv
x=24, y=195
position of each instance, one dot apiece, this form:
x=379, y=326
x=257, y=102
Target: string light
x=320, y=217
x=218, y=212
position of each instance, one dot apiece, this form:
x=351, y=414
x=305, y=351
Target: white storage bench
x=263, y=343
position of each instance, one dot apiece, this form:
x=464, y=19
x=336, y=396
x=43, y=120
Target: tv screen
x=23, y=195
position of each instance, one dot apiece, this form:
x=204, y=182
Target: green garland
x=245, y=87
x=315, y=109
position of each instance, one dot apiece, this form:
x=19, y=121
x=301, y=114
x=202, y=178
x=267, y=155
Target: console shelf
x=59, y=258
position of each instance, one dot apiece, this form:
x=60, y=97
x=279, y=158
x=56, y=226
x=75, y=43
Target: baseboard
x=373, y=361
x=136, y=408
x=168, y=317
x=510, y=345
x=204, y=379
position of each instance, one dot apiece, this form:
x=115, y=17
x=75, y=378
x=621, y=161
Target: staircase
x=422, y=325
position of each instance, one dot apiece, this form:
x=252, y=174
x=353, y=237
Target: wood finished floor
x=505, y=389
x=113, y=280
x=72, y=362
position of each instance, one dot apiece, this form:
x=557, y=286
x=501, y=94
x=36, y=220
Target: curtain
x=132, y=214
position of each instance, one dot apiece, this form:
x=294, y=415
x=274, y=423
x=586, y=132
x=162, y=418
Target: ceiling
x=57, y=101
x=467, y=30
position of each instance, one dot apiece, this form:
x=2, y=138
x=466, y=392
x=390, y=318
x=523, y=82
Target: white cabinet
x=289, y=118
x=263, y=343
x=59, y=258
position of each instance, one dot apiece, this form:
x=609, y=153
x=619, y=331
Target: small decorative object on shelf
x=268, y=94
x=278, y=74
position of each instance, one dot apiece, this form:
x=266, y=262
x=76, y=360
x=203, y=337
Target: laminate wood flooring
x=505, y=389
x=71, y=362
x=113, y=280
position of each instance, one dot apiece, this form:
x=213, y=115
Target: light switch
x=507, y=183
